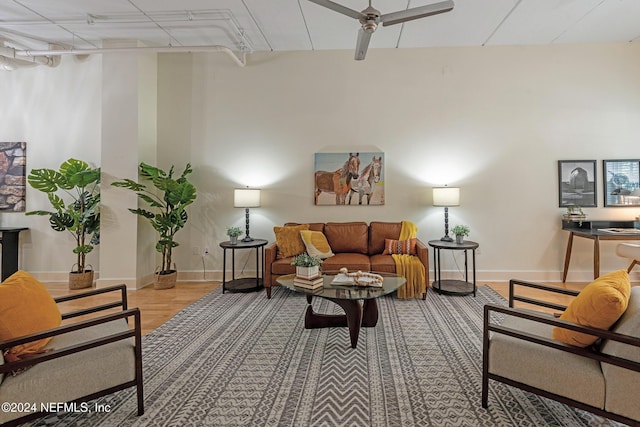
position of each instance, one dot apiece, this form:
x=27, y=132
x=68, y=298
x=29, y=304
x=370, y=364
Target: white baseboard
x=216, y=276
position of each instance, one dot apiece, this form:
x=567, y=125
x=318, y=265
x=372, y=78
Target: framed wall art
x=621, y=183
x=13, y=178
x=577, y=183
x=348, y=178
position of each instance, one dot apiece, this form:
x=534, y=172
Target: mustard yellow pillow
x=316, y=244
x=599, y=305
x=288, y=240
x=26, y=308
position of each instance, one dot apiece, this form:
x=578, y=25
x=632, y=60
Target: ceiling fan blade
x=363, y=44
x=416, y=13
x=338, y=8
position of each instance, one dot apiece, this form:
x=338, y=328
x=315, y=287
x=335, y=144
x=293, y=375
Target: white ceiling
x=278, y=25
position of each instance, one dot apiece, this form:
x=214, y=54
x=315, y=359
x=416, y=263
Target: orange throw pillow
x=599, y=305
x=399, y=247
x=26, y=308
x=289, y=241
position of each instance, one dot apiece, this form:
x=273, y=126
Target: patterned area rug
x=243, y=360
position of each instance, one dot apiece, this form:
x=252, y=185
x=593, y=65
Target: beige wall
x=493, y=121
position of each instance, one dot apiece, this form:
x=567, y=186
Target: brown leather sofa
x=356, y=246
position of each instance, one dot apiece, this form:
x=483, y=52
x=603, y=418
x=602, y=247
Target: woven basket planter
x=79, y=280
x=165, y=281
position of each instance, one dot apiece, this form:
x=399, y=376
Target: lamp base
x=247, y=238
x=446, y=239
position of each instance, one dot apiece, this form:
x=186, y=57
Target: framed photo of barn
x=348, y=178
x=13, y=178
x=621, y=183
x=577, y=183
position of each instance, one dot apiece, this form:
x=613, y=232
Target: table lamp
x=246, y=198
x=446, y=196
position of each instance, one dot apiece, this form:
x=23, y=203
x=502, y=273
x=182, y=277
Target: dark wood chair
x=95, y=355
x=518, y=350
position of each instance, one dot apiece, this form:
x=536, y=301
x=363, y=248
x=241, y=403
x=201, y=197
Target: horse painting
x=339, y=181
x=366, y=182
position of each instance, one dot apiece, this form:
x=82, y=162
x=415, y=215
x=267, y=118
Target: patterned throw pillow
x=316, y=244
x=289, y=241
x=400, y=247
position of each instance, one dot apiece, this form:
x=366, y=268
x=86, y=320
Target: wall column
x=129, y=136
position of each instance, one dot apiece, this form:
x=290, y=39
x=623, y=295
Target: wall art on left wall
x=13, y=178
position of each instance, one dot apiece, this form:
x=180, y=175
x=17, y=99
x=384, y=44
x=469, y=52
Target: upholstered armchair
x=83, y=359
x=519, y=349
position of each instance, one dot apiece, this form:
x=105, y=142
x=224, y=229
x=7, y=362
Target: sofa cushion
x=382, y=263
x=599, y=305
x=313, y=226
x=25, y=308
x=352, y=261
x=399, y=247
x=379, y=231
x=346, y=237
x=282, y=266
x=566, y=374
x=316, y=244
x=289, y=241
x=622, y=383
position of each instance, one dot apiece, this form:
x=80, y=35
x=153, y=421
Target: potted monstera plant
x=74, y=194
x=166, y=198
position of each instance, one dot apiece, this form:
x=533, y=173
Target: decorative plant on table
x=80, y=215
x=460, y=231
x=307, y=266
x=233, y=233
x=167, y=198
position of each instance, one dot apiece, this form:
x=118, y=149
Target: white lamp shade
x=246, y=198
x=446, y=196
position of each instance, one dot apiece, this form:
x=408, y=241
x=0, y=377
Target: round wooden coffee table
x=356, y=315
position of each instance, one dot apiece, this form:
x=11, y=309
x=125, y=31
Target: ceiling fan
x=371, y=17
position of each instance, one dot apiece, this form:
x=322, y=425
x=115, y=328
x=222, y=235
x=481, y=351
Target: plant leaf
x=47, y=180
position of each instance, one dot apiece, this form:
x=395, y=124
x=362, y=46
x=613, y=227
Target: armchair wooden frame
x=125, y=313
x=591, y=353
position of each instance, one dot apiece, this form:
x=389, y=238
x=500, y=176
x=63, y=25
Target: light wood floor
x=158, y=306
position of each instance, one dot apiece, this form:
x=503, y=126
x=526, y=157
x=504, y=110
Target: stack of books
x=312, y=283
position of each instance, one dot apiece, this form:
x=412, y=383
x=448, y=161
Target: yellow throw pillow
x=26, y=308
x=316, y=244
x=599, y=305
x=288, y=240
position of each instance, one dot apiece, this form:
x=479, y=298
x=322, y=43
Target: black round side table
x=245, y=284
x=454, y=287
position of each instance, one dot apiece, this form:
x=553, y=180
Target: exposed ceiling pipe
x=13, y=57
x=8, y=64
x=241, y=61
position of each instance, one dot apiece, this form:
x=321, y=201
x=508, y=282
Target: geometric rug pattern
x=244, y=360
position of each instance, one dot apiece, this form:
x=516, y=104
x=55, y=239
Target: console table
x=9, y=242
x=594, y=230
x=245, y=284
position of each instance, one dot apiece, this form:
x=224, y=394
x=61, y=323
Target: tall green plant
x=167, y=199
x=79, y=184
